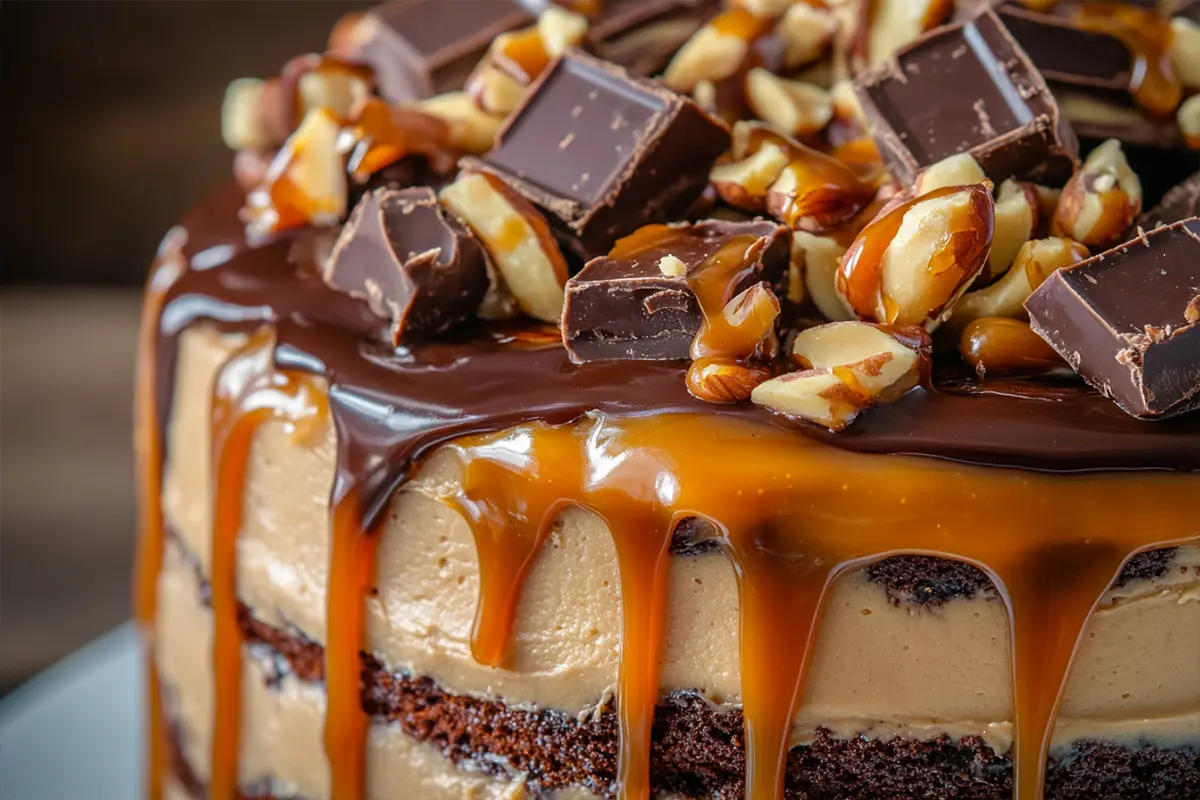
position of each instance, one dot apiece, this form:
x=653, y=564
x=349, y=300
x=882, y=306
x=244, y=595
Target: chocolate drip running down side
x=505, y=396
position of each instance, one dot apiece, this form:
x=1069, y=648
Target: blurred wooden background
x=111, y=128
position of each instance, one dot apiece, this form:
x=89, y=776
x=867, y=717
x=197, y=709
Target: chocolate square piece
x=627, y=305
x=412, y=260
x=1128, y=320
x=967, y=88
x=1067, y=54
x=420, y=48
x=603, y=153
x=1177, y=204
x=643, y=35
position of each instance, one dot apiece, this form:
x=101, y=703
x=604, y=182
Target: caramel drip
x=773, y=666
x=248, y=391
x=509, y=529
x=793, y=515
x=525, y=51
x=148, y=445
x=351, y=576
x=721, y=337
x=1147, y=34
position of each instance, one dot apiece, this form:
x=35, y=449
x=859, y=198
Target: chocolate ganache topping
x=491, y=377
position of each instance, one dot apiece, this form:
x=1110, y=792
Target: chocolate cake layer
x=699, y=750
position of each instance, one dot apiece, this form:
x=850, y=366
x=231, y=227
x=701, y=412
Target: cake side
x=884, y=666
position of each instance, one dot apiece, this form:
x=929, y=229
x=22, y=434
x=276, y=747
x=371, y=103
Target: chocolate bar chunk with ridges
x=1128, y=320
x=420, y=48
x=604, y=153
x=1177, y=204
x=967, y=88
x=624, y=305
x=415, y=264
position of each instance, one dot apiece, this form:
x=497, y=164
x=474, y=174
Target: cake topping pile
x=818, y=205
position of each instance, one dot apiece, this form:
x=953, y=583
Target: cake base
x=699, y=750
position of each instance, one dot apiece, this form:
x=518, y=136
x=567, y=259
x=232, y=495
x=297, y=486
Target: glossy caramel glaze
x=536, y=434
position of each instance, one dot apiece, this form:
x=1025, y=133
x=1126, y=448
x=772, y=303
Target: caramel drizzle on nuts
x=1001, y=346
x=938, y=277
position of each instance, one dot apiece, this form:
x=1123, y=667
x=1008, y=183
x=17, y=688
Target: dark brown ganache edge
x=489, y=378
x=698, y=749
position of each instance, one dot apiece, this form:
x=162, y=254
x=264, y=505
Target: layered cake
x=663, y=398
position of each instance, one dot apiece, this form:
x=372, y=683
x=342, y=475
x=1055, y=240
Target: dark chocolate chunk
x=1067, y=54
x=411, y=260
x=1185, y=8
x=967, y=88
x=1090, y=73
x=1177, y=204
x=624, y=305
x=603, y=153
x=643, y=35
x=1128, y=321
x=420, y=48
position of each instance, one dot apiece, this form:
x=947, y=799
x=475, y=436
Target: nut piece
x=743, y=184
x=494, y=90
x=517, y=58
x=719, y=381
x=911, y=263
x=1016, y=218
x=883, y=363
x=241, y=124
x=471, y=130
x=1047, y=202
x=817, y=259
x=801, y=109
x=1001, y=346
x=806, y=32
x=672, y=267
x=957, y=170
x=1188, y=118
x=851, y=366
x=518, y=239
x=1102, y=199
x=891, y=24
x=1033, y=264
x=306, y=182
x=716, y=51
x=332, y=86
x=816, y=192
x=751, y=314
x=560, y=30
x=1185, y=51
x=766, y=9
